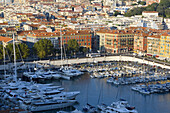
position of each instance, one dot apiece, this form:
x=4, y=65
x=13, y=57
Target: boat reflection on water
x=157, y=103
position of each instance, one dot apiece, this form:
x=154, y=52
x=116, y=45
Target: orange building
x=116, y=41
x=140, y=43
x=83, y=37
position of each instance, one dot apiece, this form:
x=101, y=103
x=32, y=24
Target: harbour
x=84, y=56
x=157, y=103
x=97, y=90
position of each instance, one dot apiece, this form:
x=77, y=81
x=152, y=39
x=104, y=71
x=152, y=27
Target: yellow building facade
x=153, y=47
x=165, y=45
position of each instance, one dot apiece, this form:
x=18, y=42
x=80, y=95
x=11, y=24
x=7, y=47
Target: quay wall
x=96, y=59
x=107, y=58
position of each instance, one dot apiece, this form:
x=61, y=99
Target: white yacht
x=70, y=72
x=54, y=74
x=47, y=104
x=121, y=106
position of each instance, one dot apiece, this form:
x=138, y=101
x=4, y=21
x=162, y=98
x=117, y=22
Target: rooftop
x=149, y=12
x=5, y=39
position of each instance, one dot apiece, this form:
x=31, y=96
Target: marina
x=96, y=91
x=84, y=56
x=35, y=89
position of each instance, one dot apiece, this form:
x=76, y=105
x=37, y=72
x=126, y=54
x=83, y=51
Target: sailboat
x=35, y=97
x=88, y=107
x=6, y=76
x=101, y=106
x=68, y=71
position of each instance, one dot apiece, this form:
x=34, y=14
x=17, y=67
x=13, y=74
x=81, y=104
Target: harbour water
x=96, y=91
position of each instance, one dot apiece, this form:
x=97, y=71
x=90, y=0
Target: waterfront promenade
x=107, y=58
x=85, y=60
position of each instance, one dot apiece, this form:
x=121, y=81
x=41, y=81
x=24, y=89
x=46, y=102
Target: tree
x=1, y=52
x=162, y=8
x=43, y=48
x=167, y=13
x=142, y=2
x=134, y=4
x=73, y=46
x=163, y=5
x=134, y=11
x=152, y=7
x=116, y=13
x=83, y=50
x=22, y=51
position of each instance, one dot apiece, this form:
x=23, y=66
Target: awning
x=155, y=55
x=148, y=54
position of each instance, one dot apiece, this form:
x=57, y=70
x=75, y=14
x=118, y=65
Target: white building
x=150, y=13
x=110, y=2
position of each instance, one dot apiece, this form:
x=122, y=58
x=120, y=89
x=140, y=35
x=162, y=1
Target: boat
x=89, y=108
x=76, y=111
x=35, y=97
x=47, y=105
x=120, y=106
x=110, y=80
x=102, y=107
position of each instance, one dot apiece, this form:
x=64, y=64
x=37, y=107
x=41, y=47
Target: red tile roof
x=5, y=39
x=149, y=12
x=165, y=34
x=155, y=36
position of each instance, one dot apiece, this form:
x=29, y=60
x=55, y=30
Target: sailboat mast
x=15, y=72
x=61, y=47
x=4, y=58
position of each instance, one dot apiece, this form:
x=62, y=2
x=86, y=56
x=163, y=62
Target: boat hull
x=51, y=107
